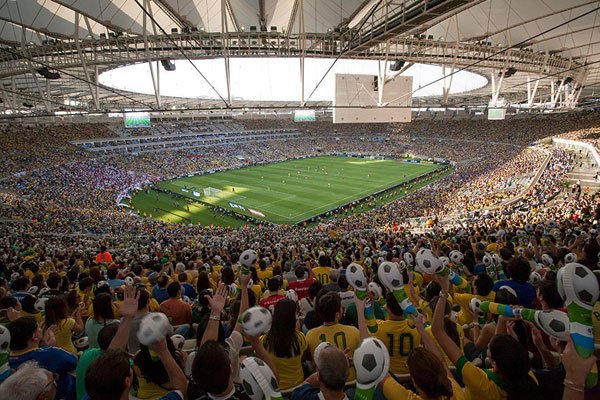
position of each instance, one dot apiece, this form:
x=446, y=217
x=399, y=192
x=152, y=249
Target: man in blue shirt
x=159, y=292
x=113, y=281
x=479, y=267
x=19, y=288
x=519, y=269
x=188, y=290
x=28, y=344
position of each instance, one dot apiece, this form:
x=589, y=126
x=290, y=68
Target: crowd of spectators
x=102, y=268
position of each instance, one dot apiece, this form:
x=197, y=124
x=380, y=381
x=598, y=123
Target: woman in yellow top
x=57, y=315
x=257, y=285
x=452, y=329
x=430, y=376
x=286, y=345
x=510, y=377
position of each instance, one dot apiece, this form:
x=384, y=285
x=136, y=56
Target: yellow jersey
x=342, y=336
x=63, y=335
x=322, y=274
x=400, y=338
x=461, y=339
x=257, y=289
x=392, y=390
x=464, y=301
x=481, y=384
x=290, y=369
x=264, y=275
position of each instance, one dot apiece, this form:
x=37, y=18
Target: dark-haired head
x=282, y=339
x=548, y=293
x=109, y=376
x=102, y=306
x=216, y=379
x=329, y=307
x=56, y=310
x=519, y=269
x=393, y=306
x=428, y=374
x=511, y=361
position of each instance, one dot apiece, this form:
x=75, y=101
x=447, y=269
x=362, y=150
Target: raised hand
x=160, y=347
x=129, y=306
x=244, y=279
x=218, y=300
x=576, y=367
x=419, y=322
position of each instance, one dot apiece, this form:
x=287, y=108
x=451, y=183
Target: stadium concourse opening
x=299, y=191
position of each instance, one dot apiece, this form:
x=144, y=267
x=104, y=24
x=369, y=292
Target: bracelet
x=571, y=385
x=215, y=317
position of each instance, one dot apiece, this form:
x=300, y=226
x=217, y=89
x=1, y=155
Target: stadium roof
x=540, y=52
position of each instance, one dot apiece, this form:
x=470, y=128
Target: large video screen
x=304, y=115
x=137, y=120
x=496, y=113
x=357, y=99
x=496, y=110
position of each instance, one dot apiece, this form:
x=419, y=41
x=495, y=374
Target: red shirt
x=177, y=311
x=269, y=302
x=301, y=287
x=104, y=257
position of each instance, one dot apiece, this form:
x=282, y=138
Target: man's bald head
x=332, y=366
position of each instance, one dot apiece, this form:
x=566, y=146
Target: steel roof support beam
x=33, y=71
x=508, y=28
x=381, y=72
x=93, y=93
x=531, y=93
x=174, y=15
x=155, y=79
x=496, y=88
x=292, y=19
x=44, y=32
x=110, y=26
x=234, y=20
x=225, y=49
x=447, y=84
x=262, y=18
x=302, y=41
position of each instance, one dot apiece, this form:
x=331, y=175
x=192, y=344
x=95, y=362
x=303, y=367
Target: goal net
x=211, y=192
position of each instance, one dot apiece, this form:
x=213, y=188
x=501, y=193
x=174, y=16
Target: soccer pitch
x=283, y=193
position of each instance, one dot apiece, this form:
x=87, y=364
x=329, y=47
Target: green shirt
x=85, y=360
x=350, y=316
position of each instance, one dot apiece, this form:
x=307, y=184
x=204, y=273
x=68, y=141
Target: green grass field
x=285, y=193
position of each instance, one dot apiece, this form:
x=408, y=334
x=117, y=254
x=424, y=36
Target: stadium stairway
x=586, y=175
